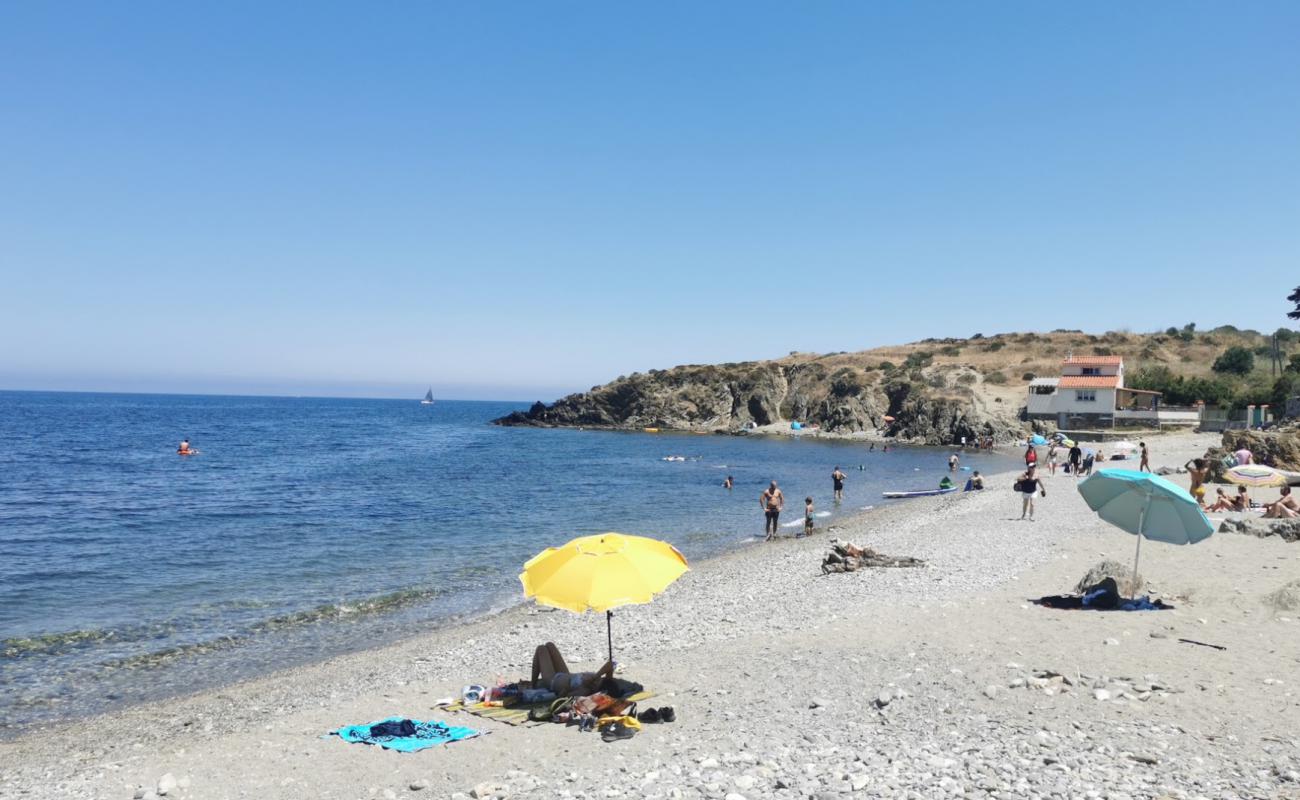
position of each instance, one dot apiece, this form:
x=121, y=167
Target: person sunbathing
x=1238, y=502
x=550, y=672
x=1286, y=506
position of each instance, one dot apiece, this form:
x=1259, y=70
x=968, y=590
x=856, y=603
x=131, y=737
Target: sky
x=515, y=200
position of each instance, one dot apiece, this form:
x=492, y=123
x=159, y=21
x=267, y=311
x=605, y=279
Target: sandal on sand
x=649, y=715
x=666, y=714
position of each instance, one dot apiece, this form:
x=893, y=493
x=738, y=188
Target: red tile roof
x=1095, y=360
x=1089, y=381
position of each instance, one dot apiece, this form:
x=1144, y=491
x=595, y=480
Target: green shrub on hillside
x=887, y=366
x=993, y=347
x=920, y=358
x=846, y=383
x=1178, y=390
x=1028, y=376
x=1235, y=360
x=952, y=351
x=995, y=378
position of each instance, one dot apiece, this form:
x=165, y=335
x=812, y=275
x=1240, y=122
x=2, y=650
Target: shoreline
x=830, y=661
x=169, y=673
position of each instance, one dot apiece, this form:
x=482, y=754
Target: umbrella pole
x=609, y=633
x=1132, y=583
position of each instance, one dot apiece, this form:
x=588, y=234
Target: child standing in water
x=807, y=516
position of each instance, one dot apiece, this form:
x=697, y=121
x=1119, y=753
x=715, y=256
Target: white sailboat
x=428, y=398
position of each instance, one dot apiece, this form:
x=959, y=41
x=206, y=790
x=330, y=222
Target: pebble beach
x=938, y=681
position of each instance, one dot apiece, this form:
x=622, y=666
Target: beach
x=935, y=681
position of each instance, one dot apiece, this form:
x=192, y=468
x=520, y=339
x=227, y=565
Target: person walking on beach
x=772, y=501
x=1031, y=456
x=1198, y=471
x=837, y=483
x=807, y=516
x=1145, y=465
x=1075, y=457
x=1028, y=486
x=1051, y=458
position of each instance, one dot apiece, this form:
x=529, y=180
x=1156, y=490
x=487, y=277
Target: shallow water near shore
x=310, y=527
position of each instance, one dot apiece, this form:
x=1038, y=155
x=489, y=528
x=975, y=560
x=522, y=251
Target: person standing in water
x=772, y=501
x=837, y=483
x=727, y=483
x=952, y=462
x=807, y=516
x=1145, y=466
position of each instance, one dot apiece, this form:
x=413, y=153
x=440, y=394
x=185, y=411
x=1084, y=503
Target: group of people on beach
x=772, y=501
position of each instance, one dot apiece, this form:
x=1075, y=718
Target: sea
x=309, y=527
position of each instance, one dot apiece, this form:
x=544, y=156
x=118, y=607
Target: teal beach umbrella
x=1147, y=506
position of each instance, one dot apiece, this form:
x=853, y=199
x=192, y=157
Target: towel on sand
x=427, y=734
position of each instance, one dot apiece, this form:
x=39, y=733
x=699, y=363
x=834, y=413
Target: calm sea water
x=308, y=527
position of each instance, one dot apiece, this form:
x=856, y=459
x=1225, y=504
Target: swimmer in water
x=727, y=483
x=184, y=448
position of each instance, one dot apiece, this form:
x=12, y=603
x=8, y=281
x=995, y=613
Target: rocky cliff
x=936, y=404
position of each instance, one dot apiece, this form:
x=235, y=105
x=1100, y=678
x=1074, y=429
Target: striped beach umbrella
x=1255, y=475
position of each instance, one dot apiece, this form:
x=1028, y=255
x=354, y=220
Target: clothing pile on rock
x=848, y=557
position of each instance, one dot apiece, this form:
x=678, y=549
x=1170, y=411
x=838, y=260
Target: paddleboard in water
x=924, y=493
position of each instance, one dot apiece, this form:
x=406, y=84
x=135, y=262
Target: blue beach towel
x=427, y=734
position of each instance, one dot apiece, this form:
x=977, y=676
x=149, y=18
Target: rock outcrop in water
x=931, y=405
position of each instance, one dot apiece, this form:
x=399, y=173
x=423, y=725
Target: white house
x=1091, y=392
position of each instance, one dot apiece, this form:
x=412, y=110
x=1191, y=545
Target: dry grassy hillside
x=933, y=391
x=1008, y=361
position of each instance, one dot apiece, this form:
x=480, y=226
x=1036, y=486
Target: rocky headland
x=928, y=404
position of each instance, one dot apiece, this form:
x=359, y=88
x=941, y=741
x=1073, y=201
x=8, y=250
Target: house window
x=1092, y=370
x=1085, y=395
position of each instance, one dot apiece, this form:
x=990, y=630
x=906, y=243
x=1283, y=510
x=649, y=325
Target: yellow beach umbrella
x=601, y=573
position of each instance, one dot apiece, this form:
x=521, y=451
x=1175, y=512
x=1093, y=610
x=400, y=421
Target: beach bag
x=1019, y=486
x=552, y=712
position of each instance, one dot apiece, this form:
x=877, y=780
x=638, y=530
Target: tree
x=1294, y=297
x=1235, y=360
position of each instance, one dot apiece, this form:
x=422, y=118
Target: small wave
x=52, y=644
x=49, y=643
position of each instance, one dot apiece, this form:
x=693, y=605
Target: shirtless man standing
x=772, y=501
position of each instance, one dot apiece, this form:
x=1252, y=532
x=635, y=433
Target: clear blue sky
x=521, y=199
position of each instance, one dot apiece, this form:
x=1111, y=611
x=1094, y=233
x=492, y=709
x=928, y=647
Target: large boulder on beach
x=1128, y=585
x=1280, y=448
